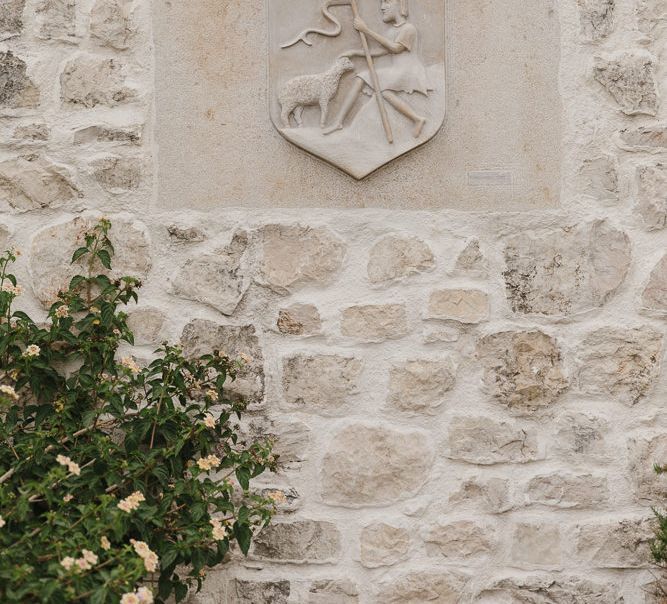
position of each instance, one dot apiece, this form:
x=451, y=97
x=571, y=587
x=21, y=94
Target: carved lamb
x=307, y=90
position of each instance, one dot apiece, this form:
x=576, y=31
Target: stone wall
x=468, y=405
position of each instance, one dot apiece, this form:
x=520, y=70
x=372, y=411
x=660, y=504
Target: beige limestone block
x=565, y=270
x=179, y=233
x=299, y=320
x=383, y=545
x=146, y=324
x=294, y=255
x=568, y=491
x=34, y=133
x=11, y=18
x=645, y=453
x=16, y=88
x=299, y=542
x=333, y=592
x=491, y=495
x=598, y=177
x=52, y=248
x=116, y=174
x=650, y=139
x=620, y=544
x=420, y=386
x=472, y=261
x=467, y=306
x=375, y=322
x=536, y=544
x=394, y=258
x=621, y=363
x=654, y=297
x=652, y=195
x=460, y=540
x=651, y=15
x=260, y=592
x=111, y=23
x=579, y=435
x=320, y=384
x=130, y=135
x=483, y=441
x=56, y=19
x=368, y=465
x=522, y=369
x=597, y=18
x=291, y=439
x=421, y=587
x=88, y=81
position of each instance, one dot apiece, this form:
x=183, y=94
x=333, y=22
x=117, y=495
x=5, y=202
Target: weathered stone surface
x=550, y=590
x=446, y=587
x=31, y=133
x=185, y=234
x=293, y=256
x=654, y=297
x=621, y=363
x=11, y=18
x=300, y=542
x=291, y=439
x=56, y=19
x=567, y=490
x=146, y=325
x=132, y=135
x=53, y=246
x=261, y=592
x=472, y=261
x=651, y=14
x=219, y=279
x=645, y=453
x=522, y=369
x=492, y=495
x=320, y=384
x=564, y=271
x=16, y=89
x=459, y=540
x=203, y=337
x=286, y=500
x=651, y=139
x=630, y=78
x=622, y=544
x=420, y=386
x=88, y=81
x=333, y=592
x=117, y=174
x=34, y=183
x=581, y=435
x=536, y=544
x=394, y=258
x=599, y=178
x=299, y=320
x=110, y=23
x=484, y=441
x=375, y=322
x=383, y=545
x=597, y=18
x=467, y=306
x=375, y=465
x=652, y=195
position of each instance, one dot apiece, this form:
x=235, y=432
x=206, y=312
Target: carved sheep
x=307, y=90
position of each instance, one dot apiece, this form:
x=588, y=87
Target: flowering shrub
x=117, y=483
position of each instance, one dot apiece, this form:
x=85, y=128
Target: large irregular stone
x=564, y=271
x=203, y=337
x=622, y=544
x=383, y=545
x=467, y=306
x=654, y=297
x=598, y=178
x=375, y=322
x=550, y=590
x=375, y=465
x=645, y=454
x=651, y=14
x=295, y=255
x=445, y=587
x=420, y=386
x=146, y=324
x=652, y=195
x=620, y=363
x=491, y=496
x=460, y=540
x=567, y=491
x=16, y=89
x=219, y=279
x=320, y=384
x=472, y=261
x=579, y=435
x=131, y=135
x=261, y=592
x=333, y=592
x=597, y=18
x=536, y=544
x=483, y=441
x=291, y=439
x=630, y=78
x=522, y=369
x=110, y=23
x=651, y=138
x=117, y=175
x=394, y=258
x=56, y=19
x=35, y=183
x=299, y=542
x=11, y=18
x=53, y=246
x=299, y=320
x=88, y=81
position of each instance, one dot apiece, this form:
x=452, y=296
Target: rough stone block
x=445, y=587
x=648, y=139
x=110, y=23
x=299, y=542
x=472, y=261
x=645, y=453
x=598, y=177
x=460, y=540
x=383, y=545
x=88, y=81
x=146, y=324
x=34, y=133
x=375, y=322
x=651, y=15
x=622, y=544
x=131, y=135
x=299, y=320
x=56, y=19
x=597, y=18
x=581, y=435
x=491, y=496
x=117, y=175
x=467, y=306
x=652, y=195
x=291, y=439
x=16, y=89
x=11, y=18
x=420, y=386
x=333, y=592
x=567, y=491
x=654, y=297
x=261, y=592
x=536, y=544
x=394, y=258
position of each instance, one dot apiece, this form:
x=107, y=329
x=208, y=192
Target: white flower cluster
x=105, y=544
x=32, y=351
x=209, y=463
x=15, y=290
x=209, y=421
x=62, y=312
x=143, y=595
x=131, y=502
x=128, y=363
x=9, y=391
x=219, y=530
x=87, y=560
x=149, y=557
x=74, y=468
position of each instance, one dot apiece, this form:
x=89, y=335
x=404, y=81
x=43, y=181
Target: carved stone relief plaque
x=357, y=82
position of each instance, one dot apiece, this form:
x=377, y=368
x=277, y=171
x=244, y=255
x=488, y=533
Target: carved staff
x=374, y=78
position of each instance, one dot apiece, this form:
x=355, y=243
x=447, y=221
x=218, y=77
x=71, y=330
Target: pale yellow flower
x=15, y=290
x=2, y=522
x=151, y=562
x=89, y=556
x=149, y=557
x=131, y=502
x=130, y=598
x=209, y=421
x=219, y=531
x=209, y=463
x=32, y=351
x=71, y=466
x=105, y=544
x=83, y=564
x=67, y=563
x=62, y=312
x=246, y=358
x=145, y=595
x=212, y=394
x=68, y=498
x=9, y=391
x=129, y=363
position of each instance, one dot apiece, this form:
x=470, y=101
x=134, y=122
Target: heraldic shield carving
x=357, y=83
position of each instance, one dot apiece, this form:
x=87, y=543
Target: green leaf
x=82, y=251
x=243, y=536
x=105, y=258
x=100, y=596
